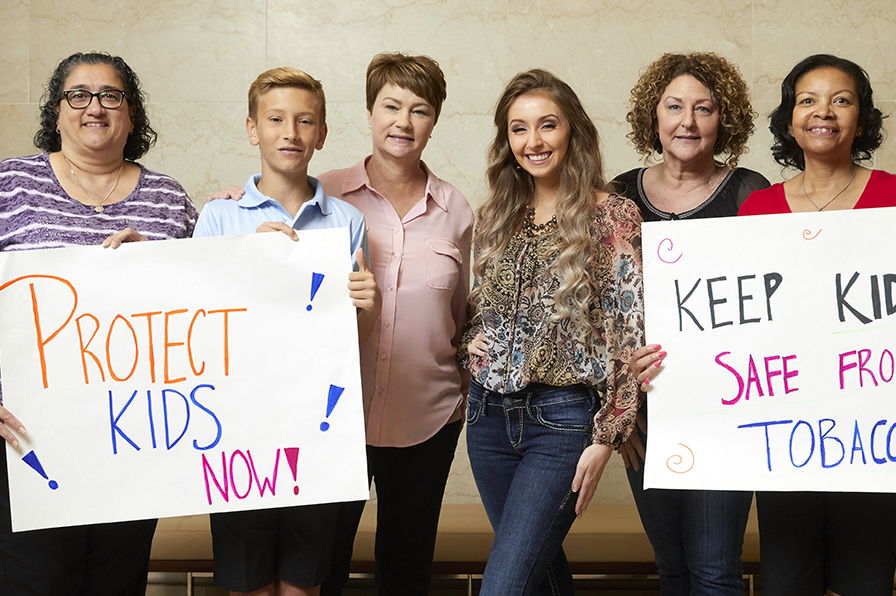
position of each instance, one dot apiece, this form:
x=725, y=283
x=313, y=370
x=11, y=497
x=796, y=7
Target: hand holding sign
x=126, y=235
x=365, y=295
x=362, y=288
x=277, y=226
x=646, y=363
x=8, y=420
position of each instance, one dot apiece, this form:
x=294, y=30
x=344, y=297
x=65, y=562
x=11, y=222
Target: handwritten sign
x=781, y=340
x=181, y=377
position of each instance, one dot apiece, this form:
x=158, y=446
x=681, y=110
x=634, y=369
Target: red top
x=879, y=192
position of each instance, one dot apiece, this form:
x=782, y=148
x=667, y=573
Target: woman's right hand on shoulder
x=10, y=421
x=233, y=192
x=478, y=347
x=646, y=364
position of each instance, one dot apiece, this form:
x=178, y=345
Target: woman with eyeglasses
x=85, y=189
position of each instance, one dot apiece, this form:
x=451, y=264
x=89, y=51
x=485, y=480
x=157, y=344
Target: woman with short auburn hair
x=419, y=230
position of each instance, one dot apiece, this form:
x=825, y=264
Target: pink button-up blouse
x=411, y=381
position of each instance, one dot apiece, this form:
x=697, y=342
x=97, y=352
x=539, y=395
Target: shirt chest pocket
x=443, y=263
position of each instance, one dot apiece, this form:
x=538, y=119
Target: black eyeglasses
x=79, y=99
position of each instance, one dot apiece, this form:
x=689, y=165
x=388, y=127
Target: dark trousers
x=813, y=541
x=697, y=536
x=94, y=560
x=410, y=482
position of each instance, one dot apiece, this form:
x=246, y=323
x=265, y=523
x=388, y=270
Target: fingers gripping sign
x=126, y=235
x=277, y=226
x=646, y=364
x=10, y=422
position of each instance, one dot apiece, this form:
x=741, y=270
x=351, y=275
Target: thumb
x=362, y=262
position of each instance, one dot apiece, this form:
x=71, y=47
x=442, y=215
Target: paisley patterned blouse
x=525, y=344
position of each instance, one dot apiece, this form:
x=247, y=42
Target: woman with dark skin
x=812, y=543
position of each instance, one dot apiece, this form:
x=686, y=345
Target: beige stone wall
x=196, y=59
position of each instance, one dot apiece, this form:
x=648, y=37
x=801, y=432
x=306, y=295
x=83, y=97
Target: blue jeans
x=523, y=449
x=697, y=536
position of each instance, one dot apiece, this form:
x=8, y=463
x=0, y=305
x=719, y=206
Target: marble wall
x=196, y=59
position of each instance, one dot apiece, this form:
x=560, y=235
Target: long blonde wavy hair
x=511, y=189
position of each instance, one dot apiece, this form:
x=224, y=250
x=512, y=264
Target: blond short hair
x=285, y=76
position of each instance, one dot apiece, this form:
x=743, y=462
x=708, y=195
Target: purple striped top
x=35, y=211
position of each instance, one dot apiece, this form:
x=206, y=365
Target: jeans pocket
x=568, y=415
x=475, y=403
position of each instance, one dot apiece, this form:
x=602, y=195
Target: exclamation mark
x=333, y=397
x=31, y=459
x=316, y=280
x=292, y=458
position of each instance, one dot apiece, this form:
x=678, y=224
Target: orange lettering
x=84, y=347
x=152, y=354
x=169, y=344
x=41, y=343
x=227, y=312
x=109, y=356
x=190, y=347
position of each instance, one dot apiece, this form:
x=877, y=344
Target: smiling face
x=825, y=119
x=687, y=121
x=95, y=128
x=287, y=130
x=401, y=123
x=538, y=132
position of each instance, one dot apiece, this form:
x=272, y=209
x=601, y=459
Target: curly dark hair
x=141, y=139
x=785, y=149
x=726, y=87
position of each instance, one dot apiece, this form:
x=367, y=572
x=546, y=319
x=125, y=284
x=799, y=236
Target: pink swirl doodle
x=677, y=460
x=660, y=247
x=807, y=235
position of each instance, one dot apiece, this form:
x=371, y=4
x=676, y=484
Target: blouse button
x=383, y=357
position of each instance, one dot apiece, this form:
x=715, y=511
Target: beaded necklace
x=530, y=229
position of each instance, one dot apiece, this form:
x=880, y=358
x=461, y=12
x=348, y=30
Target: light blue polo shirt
x=224, y=217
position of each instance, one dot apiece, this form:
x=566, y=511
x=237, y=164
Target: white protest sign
x=781, y=334
x=181, y=377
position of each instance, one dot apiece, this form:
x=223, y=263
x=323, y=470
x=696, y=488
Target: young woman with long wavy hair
x=554, y=318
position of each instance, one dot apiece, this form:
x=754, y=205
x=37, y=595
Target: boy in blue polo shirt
x=285, y=551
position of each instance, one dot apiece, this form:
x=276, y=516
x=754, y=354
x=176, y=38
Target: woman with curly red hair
x=693, y=110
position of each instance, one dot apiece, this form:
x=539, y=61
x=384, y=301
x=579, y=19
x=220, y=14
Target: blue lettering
x=165, y=393
x=823, y=436
x=857, y=440
x=210, y=413
x=113, y=420
x=768, y=452
x=890, y=455
x=811, y=448
x=152, y=424
x=877, y=460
